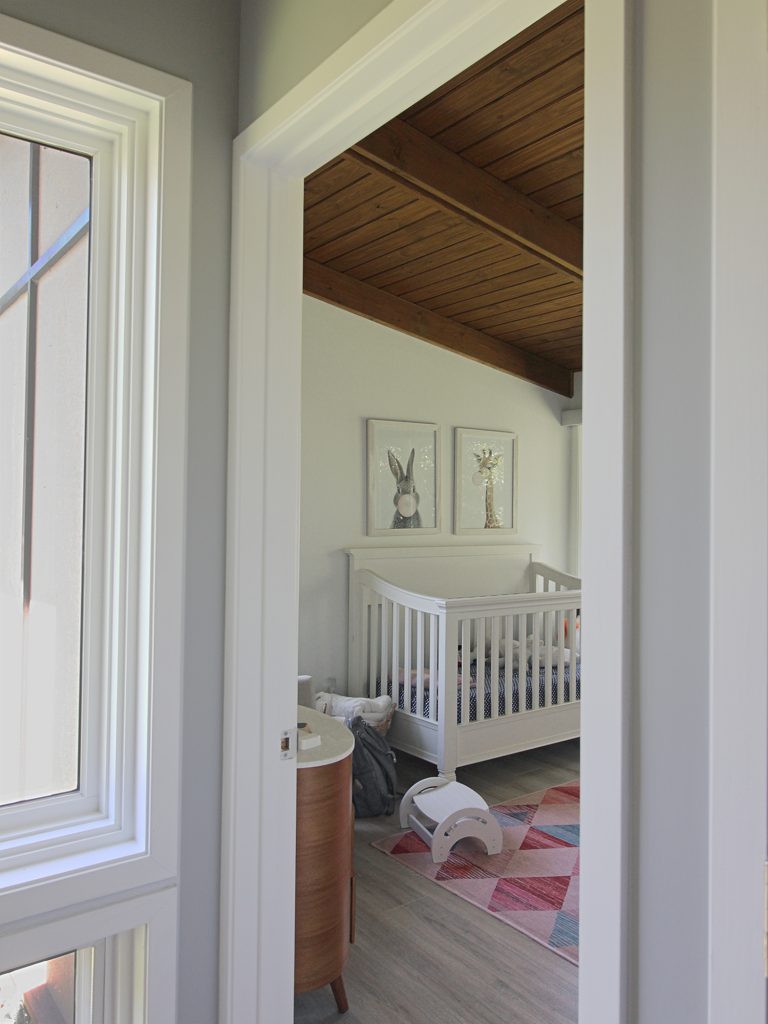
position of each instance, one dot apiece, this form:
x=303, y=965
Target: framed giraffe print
x=485, y=482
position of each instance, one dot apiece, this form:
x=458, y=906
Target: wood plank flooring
x=422, y=954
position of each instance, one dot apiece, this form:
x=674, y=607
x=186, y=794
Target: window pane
x=14, y=210
x=13, y=370
x=41, y=993
x=52, y=683
x=43, y=348
x=65, y=184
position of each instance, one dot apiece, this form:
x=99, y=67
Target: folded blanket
x=376, y=711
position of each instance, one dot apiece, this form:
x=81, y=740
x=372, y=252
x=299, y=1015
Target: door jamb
x=401, y=55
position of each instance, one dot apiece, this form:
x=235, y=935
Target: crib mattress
x=401, y=696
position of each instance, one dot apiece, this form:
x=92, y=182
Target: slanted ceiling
x=459, y=222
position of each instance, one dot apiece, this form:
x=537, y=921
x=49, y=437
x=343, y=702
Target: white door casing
x=404, y=53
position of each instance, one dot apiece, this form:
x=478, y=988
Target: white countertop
x=336, y=743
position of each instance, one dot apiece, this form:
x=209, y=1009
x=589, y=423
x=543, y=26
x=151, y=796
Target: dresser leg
x=337, y=987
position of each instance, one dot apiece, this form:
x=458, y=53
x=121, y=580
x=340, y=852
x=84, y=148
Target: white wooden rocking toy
x=443, y=812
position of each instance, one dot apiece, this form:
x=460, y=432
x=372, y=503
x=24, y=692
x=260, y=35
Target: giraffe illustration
x=488, y=463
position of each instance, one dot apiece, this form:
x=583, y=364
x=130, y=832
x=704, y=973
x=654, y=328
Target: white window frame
x=134, y=956
x=28, y=825
x=118, y=832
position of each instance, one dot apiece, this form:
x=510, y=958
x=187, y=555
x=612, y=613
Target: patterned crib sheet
x=400, y=701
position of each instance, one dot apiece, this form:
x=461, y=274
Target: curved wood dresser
x=324, y=870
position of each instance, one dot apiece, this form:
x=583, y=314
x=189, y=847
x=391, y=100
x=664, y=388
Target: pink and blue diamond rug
x=533, y=884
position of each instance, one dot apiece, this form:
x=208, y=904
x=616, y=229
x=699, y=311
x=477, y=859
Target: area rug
x=533, y=884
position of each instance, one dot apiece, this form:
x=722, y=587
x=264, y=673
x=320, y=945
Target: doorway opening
x=274, y=157
x=442, y=341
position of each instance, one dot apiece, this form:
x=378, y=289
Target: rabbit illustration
x=406, y=498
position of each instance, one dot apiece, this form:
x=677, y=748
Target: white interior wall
x=354, y=370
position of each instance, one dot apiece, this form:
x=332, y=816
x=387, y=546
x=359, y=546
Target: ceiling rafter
x=412, y=159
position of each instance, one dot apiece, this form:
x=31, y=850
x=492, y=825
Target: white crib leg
x=448, y=749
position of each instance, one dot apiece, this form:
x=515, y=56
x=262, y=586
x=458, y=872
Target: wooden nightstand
x=324, y=868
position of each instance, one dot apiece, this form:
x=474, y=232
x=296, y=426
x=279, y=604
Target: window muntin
x=44, y=272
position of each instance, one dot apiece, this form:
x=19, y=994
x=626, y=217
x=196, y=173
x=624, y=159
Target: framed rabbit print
x=403, y=478
x=485, y=486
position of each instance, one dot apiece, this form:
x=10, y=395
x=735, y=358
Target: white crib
x=475, y=645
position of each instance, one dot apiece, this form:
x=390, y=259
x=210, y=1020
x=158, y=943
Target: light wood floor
x=423, y=955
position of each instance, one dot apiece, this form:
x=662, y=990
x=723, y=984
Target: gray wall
x=283, y=40
x=196, y=40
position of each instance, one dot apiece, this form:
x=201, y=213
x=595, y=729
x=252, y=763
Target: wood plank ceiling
x=460, y=221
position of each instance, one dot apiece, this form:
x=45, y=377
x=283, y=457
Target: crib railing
x=545, y=579
x=484, y=657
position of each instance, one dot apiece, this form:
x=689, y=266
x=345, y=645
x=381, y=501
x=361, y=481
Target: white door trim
x=402, y=54
x=606, y=515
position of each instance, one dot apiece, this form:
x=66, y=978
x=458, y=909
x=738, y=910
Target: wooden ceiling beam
x=410, y=158
x=375, y=304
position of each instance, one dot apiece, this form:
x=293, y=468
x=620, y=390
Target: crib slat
x=373, y=651
x=480, y=669
x=386, y=686
x=548, y=634
x=466, y=668
x=420, y=664
x=433, y=668
x=359, y=664
x=511, y=660
x=548, y=631
x=560, y=657
x=495, y=632
x=536, y=662
x=522, y=635
x=573, y=645
x=396, y=658
x=407, y=659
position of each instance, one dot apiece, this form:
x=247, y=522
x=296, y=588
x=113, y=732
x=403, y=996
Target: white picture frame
x=403, y=478
x=485, y=482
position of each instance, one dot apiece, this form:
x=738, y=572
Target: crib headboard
x=471, y=570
